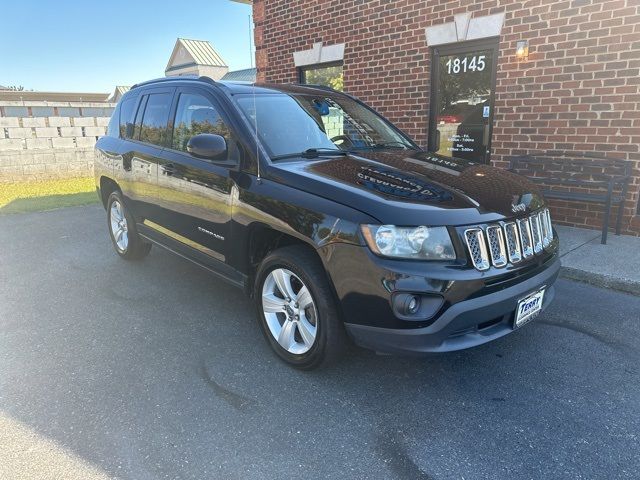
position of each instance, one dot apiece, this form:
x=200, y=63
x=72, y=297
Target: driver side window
x=195, y=114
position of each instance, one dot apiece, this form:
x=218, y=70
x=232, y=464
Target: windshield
x=294, y=123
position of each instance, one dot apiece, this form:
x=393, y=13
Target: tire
x=290, y=326
x=122, y=230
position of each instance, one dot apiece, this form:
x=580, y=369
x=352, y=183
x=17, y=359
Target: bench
x=581, y=177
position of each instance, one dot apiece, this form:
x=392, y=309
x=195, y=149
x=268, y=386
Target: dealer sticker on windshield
x=528, y=308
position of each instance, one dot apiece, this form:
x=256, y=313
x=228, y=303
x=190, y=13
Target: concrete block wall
x=41, y=148
x=36, y=165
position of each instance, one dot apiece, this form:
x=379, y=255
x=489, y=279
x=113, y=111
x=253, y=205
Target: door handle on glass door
x=485, y=135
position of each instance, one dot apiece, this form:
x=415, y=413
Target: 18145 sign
x=466, y=64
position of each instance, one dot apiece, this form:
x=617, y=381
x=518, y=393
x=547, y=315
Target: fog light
x=412, y=305
x=416, y=306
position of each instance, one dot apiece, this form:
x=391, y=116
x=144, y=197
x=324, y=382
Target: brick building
x=481, y=79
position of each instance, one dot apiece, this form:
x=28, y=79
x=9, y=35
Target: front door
x=194, y=194
x=461, y=114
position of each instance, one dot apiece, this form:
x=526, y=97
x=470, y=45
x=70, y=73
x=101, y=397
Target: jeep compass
x=336, y=223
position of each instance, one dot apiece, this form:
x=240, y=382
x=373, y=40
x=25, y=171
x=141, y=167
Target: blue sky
x=93, y=46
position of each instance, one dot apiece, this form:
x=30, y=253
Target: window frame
x=316, y=66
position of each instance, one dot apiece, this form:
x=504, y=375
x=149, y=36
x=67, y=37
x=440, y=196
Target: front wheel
x=297, y=310
x=122, y=230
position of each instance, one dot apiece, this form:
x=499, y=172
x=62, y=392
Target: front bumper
x=464, y=324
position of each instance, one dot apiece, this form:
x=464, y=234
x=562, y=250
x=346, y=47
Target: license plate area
x=528, y=308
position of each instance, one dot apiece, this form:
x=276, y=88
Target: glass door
x=461, y=115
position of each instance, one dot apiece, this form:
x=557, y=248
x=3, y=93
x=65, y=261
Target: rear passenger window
x=155, y=118
x=126, y=116
x=195, y=114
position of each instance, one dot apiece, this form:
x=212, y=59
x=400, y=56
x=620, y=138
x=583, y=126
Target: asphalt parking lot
x=158, y=370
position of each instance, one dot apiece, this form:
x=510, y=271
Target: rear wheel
x=297, y=310
x=122, y=230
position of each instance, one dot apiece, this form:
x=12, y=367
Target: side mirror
x=208, y=146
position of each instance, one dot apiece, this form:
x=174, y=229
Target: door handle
x=168, y=169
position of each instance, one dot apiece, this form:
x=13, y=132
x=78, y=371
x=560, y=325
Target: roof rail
x=192, y=78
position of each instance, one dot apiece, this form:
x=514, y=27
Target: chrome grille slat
x=544, y=228
x=477, y=248
x=513, y=242
x=547, y=219
x=496, y=246
x=524, y=228
x=536, y=233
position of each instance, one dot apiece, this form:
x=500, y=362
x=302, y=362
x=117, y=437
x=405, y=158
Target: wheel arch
x=107, y=187
x=262, y=239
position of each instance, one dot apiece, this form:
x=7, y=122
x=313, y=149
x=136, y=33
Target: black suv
x=334, y=221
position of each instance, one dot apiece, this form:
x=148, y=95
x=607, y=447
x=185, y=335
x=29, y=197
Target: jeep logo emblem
x=518, y=207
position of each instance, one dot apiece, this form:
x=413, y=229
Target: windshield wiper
x=313, y=153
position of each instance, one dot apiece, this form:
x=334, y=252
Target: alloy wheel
x=289, y=311
x=119, y=227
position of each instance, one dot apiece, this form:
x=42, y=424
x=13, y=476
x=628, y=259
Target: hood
x=414, y=188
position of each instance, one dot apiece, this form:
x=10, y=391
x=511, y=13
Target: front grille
x=513, y=242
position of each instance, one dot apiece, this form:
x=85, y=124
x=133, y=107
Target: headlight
x=421, y=243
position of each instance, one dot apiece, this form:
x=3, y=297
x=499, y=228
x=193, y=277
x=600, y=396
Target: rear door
x=194, y=195
x=147, y=138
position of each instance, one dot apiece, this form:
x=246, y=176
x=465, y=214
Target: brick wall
x=579, y=89
x=40, y=148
